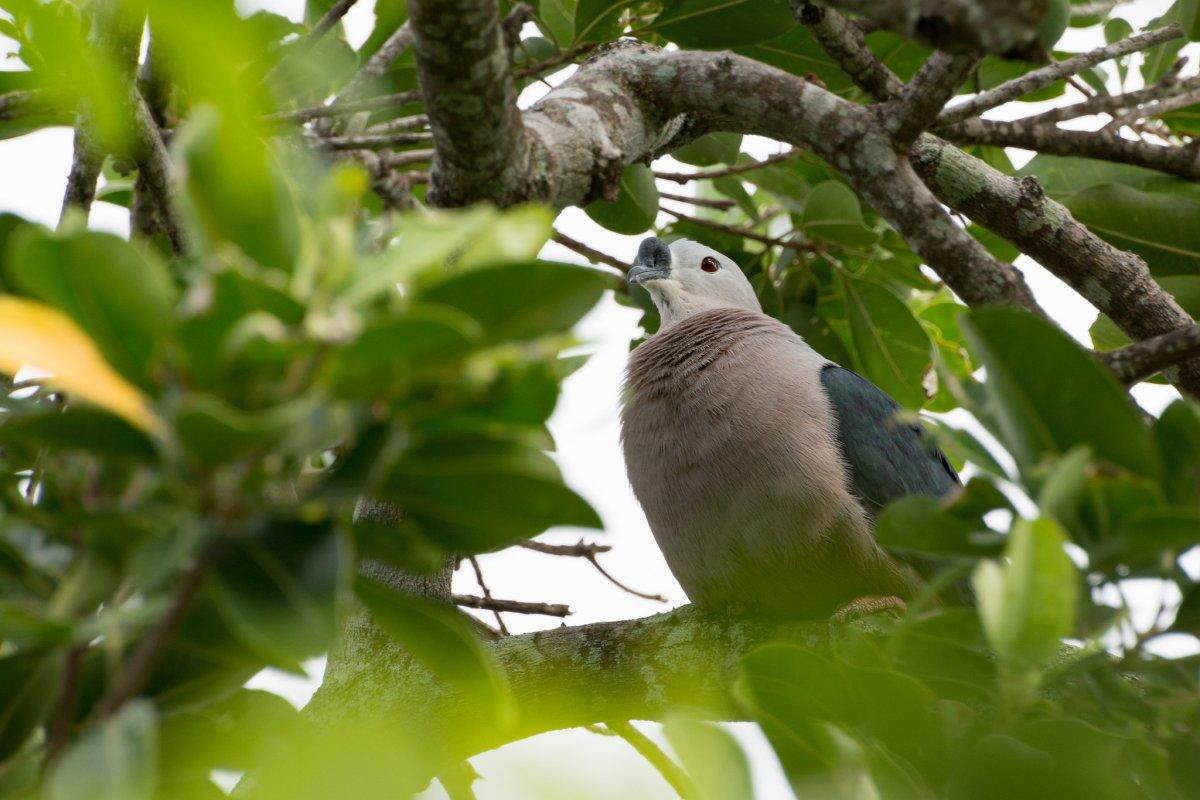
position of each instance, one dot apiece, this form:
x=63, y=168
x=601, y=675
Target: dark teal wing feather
x=887, y=457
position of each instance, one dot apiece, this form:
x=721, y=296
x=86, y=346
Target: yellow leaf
x=36, y=335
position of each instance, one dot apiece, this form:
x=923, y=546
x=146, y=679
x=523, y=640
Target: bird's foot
x=868, y=606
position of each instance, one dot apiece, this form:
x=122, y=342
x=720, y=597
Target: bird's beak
x=653, y=262
x=639, y=273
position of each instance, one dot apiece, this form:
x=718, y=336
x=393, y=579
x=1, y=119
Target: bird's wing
x=887, y=456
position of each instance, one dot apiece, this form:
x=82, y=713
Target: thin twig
x=748, y=233
x=137, y=670
x=413, y=122
x=736, y=169
x=393, y=160
x=373, y=141
x=487, y=593
x=325, y=24
x=1044, y=76
x=704, y=202
x=515, y=606
x=589, y=253
x=1108, y=103
x=587, y=551
x=580, y=549
x=346, y=107
x=672, y=773
x=59, y=730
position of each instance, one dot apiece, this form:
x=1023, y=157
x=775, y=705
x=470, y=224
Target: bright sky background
x=33, y=169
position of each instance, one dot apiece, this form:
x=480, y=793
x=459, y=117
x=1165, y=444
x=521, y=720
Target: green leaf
x=558, y=20
x=275, y=589
x=598, y=20
x=712, y=757
x=444, y=641
x=832, y=211
x=1027, y=605
x=636, y=205
x=28, y=686
x=1189, y=18
x=120, y=294
x=1156, y=226
x=391, y=353
x=523, y=300
x=1054, y=22
x=1177, y=432
x=710, y=149
x=473, y=494
x=425, y=242
x=117, y=759
x=893, y=349
x=929, y=526
x=1038, y=380
x=721, y=24
x=236, y=189
x=80, y=428
x=1144, y=535
x=1158, y=59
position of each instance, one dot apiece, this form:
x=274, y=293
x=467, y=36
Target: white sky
x=33, y=169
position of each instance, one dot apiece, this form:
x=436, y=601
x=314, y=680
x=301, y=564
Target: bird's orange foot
x=868, y=606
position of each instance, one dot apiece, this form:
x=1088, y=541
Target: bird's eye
x=709, y=264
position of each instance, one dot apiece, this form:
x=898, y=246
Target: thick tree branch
x=573, y=676
x=1002, y=27
x=1116, y=282
x=471, y=100
x=154, y=172
x=1036, y=79
x=1149, y=356
x=631, y=100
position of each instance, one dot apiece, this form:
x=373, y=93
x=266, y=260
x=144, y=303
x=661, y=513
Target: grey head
x=686, y=277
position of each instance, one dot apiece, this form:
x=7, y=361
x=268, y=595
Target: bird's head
x=686, y=278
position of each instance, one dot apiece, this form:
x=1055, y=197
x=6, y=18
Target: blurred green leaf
x=1038, y=379
x=117, y=759
x=79, y=428
x=636, y=205
x=28, y=684
x=558, y=19
x=712, y=757
x=893, y=349
x=275, y=589
x=929, y=526
x=120, y=294
x=1028, y=604
x=475, y=494
x=1158, y=59
x=444, y=641
x=1177, y=432
x=1054, y=22
x=522, y=300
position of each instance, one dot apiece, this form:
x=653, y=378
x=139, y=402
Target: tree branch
x=846, y=44
x=471, y=100
x=573, y=676
x=735, y=169
x=515, y=606
x=596, y=257
x=1104, y=144
x=1036, y=79
x=1145, y=358
x=1116, y=282
x=154, y=171
x=1108, y=103
x=926, y=94
x=1005, y=28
